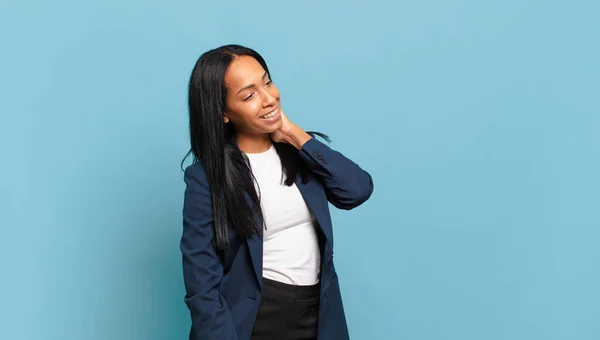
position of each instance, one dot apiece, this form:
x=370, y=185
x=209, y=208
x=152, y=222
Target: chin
x=274, y=127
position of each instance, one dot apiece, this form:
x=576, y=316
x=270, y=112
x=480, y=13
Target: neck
x=254, y=144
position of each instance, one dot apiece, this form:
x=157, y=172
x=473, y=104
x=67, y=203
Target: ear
x=225, y=118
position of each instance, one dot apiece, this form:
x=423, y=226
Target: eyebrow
x=250, y=86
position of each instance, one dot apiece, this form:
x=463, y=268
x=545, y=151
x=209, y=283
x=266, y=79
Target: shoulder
x=195, y=176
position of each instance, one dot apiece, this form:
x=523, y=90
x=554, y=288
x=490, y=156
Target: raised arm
x=346, y=184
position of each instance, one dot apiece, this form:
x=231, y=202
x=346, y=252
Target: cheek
x=245, y=115
x=251, y=110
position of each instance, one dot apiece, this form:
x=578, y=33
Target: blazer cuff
x=314, y=152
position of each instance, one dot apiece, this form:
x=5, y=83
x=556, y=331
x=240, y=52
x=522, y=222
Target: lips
x=271, y=115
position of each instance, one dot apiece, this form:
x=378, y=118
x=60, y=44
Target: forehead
x=242, y=71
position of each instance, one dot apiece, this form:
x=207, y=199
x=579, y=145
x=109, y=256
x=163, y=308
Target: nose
x=269, y=99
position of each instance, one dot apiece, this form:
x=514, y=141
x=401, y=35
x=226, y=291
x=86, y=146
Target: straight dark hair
x=233, y=194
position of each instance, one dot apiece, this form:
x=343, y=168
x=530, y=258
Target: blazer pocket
x=244, y=315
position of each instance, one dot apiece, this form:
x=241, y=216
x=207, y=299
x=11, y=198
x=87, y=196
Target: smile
x=271, y=115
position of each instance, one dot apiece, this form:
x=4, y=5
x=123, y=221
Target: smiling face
x=252, y=102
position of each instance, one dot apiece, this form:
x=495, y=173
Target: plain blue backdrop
x=479, y=121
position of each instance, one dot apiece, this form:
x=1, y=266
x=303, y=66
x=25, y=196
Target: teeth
x=270, y=115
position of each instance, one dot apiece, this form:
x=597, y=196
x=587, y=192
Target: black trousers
x=287, y=312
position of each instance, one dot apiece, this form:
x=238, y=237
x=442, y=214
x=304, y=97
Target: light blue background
x=479, y=121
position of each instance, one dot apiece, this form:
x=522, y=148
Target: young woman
x=257, y=238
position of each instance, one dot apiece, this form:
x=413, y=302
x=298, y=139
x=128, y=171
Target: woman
x=257, y=237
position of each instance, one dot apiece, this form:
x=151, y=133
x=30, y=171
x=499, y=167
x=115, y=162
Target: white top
x=290, y=243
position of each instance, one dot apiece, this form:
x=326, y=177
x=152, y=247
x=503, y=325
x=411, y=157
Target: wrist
x=297, y=137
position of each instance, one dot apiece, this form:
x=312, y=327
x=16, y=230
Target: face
x=252, y=103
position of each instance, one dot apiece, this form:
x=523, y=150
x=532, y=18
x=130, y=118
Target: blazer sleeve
x=202, y=268
x=346, y=184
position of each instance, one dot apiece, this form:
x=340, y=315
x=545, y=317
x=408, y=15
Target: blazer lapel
x=255, y=247
x=314, y=198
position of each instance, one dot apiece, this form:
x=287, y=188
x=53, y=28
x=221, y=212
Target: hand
x=283, y=133
x=289, y=133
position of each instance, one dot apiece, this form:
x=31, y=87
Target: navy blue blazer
x=223, y=288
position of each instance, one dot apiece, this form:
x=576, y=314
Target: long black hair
x=233, y=194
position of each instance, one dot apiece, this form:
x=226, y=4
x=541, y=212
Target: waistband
x=292, y=291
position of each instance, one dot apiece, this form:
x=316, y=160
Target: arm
x=346, y=184
x=202, y=269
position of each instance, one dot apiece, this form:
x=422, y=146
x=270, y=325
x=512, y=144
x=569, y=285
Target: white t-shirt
x=290, y=243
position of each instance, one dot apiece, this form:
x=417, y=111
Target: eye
x=250, y=96
x=269, y=82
